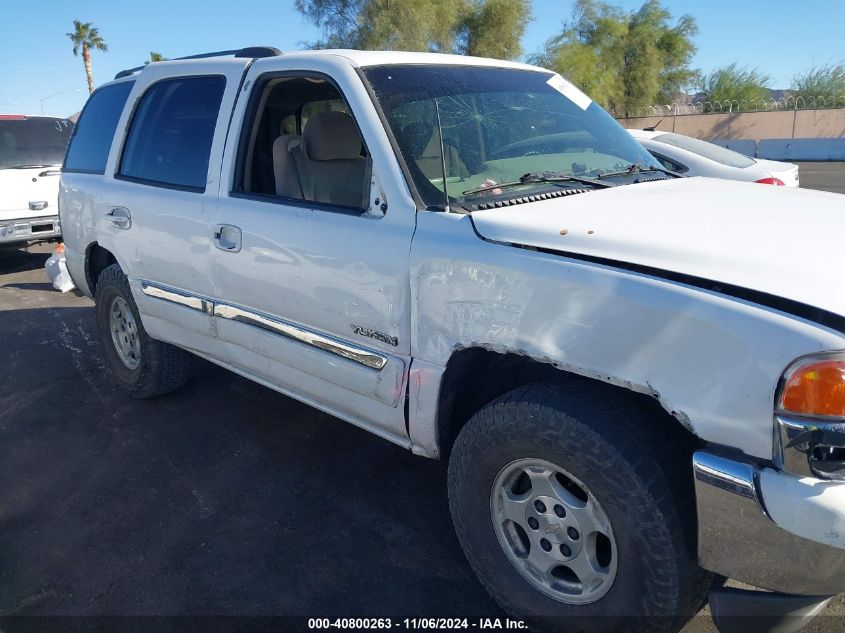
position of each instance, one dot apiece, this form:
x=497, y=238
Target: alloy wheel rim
x=124, y=333
x=553, y=531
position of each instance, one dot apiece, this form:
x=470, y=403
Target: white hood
x=786, y=242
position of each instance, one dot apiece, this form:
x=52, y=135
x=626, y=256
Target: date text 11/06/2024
x=416, y=623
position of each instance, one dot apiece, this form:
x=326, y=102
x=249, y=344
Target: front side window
x=170, y=137
x=486, y=126
x=304, y=145
x=712, y=151
x=92, y=138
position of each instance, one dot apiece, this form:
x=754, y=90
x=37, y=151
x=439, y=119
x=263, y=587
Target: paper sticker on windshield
x=570, y=92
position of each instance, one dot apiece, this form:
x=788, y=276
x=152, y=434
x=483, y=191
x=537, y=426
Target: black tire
x=162, y=368
x=643, y=485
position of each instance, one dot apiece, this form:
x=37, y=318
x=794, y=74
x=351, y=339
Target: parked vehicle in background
x=31, y=152
x=637, y=379
x=694, y=157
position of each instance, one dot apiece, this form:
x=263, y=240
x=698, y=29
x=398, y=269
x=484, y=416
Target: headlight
x=814, y=386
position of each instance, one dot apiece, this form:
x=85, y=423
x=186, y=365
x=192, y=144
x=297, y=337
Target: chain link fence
x=735, y=105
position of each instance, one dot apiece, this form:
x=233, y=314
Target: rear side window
x=169, y=140
x=708, y=150
x=91, y=142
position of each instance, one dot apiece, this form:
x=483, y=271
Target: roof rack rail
x=253, y=52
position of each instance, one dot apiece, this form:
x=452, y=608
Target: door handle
x=120, y=217
x=227, y=238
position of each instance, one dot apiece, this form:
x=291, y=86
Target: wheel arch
x=97, y=259
x=462, y=392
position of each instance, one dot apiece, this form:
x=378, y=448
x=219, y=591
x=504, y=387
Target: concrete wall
x=781, y=134
x=801, y=148
x=743, y=145
x=754, y=126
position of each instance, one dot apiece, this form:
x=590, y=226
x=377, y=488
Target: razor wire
x=732, y=106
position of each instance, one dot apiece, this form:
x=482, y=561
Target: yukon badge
x=371, y=333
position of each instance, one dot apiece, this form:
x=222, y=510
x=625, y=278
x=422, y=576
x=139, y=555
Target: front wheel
x=566, y=512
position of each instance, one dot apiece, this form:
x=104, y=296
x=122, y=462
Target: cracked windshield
x=500, y=133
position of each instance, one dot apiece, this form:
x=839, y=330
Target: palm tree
x=156, y=57
x=86, y=37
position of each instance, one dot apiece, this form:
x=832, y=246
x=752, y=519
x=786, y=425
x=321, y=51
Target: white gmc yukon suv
x=637, y=379
x=31, y=152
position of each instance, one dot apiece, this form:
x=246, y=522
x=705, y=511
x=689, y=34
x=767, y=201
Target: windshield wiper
x=539, y=177
x=636, y=168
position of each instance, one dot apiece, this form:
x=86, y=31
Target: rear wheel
x=573, y=516
x=144, y=366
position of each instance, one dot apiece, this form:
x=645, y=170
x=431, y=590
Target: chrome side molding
x=301, y=334
x=177, y=296
x=269, y=323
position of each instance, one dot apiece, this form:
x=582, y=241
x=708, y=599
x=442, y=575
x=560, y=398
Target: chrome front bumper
x=29, y=230
x=738, y=538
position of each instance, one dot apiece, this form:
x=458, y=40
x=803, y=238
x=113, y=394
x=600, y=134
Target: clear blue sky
x=780, y=37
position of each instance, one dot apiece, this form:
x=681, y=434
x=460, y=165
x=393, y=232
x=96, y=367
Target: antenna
x=651, y=128
x=446, y=206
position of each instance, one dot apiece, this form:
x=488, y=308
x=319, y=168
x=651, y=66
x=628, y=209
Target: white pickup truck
x=637, y=379
x=31, y=153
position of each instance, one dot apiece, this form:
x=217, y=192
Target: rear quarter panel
x=77, y=197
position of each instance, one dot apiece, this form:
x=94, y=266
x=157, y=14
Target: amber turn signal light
x=816, y=387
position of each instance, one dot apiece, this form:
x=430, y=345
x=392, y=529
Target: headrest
x=285, y=143
x=288, y=125
x=331, y=136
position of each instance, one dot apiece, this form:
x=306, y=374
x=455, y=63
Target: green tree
x=494, y=28
x=86, y=37
x=590, y=51
x=155, y=57
x=623, y=60
x=491, y=28
x=339, y=20
x=409, y=25
x=827, y=82
x=733, y=88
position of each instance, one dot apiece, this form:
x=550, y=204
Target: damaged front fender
x=711, y=361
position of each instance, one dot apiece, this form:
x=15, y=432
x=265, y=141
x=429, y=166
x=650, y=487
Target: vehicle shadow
x=29, y=286
x=18, y=260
